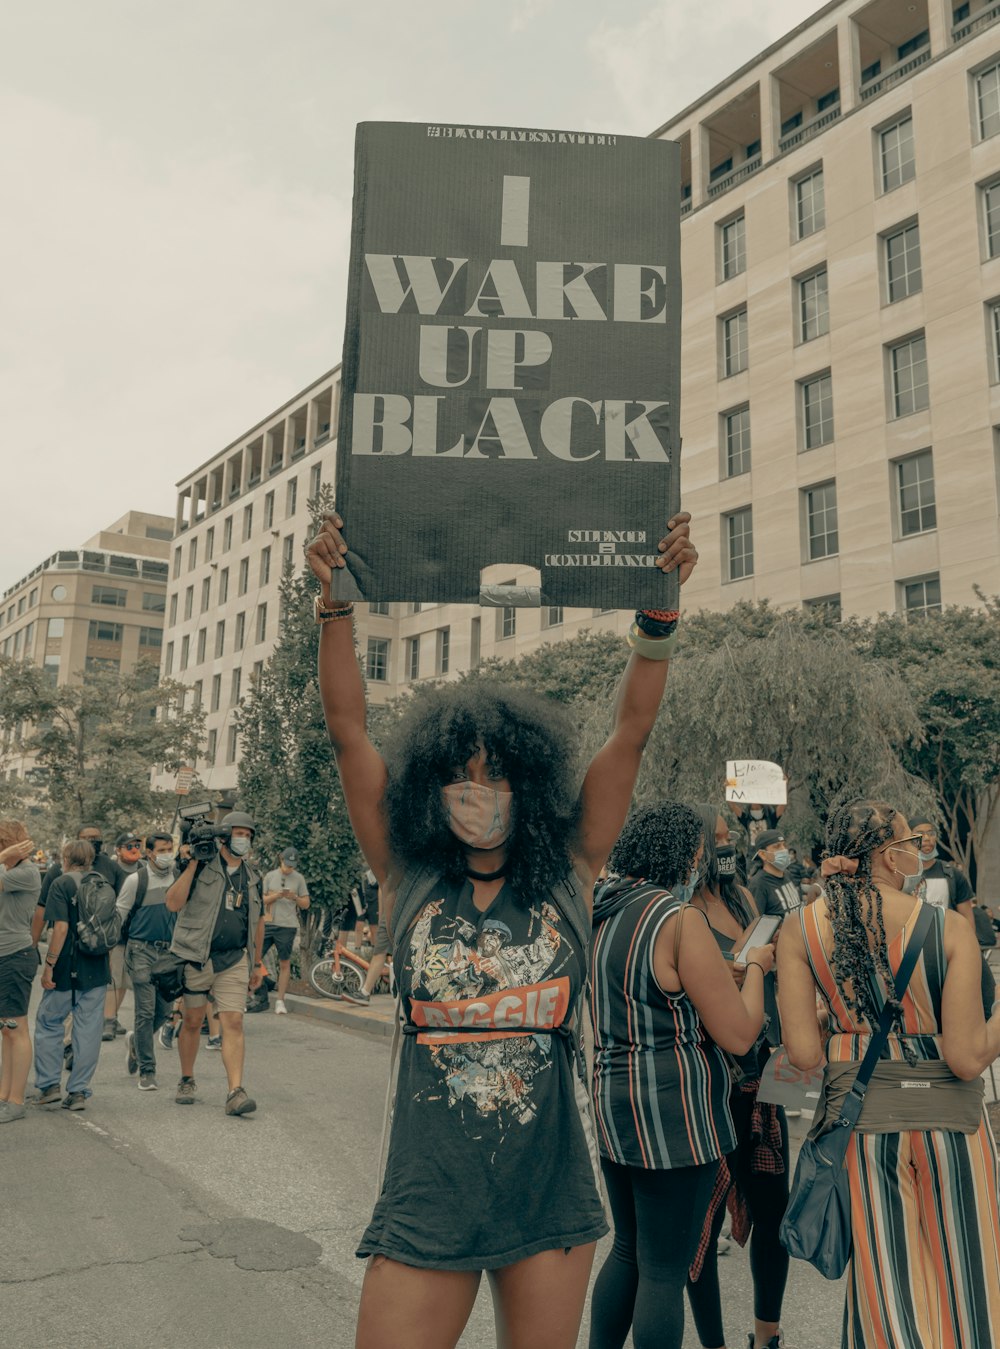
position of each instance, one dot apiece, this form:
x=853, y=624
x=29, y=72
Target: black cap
x=290, y=857
x=914, y=820
x=768, y=837
x=123, y=839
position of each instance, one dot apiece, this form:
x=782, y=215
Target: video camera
x=199, y=833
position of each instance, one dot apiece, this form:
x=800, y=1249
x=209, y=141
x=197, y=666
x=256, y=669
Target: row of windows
x=24, y=602
x=377, y=655
x=915, y=597
x=115, y=596
x=98, y=630
x=242, y=580
x=914, y=503
x=201, y=640
x=267, y=517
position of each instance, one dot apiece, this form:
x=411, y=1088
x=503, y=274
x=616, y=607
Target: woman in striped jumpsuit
x=925, y=1270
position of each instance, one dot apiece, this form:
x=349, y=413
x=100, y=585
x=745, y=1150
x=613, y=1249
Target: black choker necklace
x=486, y=875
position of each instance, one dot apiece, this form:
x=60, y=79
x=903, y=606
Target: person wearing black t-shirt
x=73, y=981
x=942, y=884
x=773, y=891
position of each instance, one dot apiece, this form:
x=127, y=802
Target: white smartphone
x=762, y=933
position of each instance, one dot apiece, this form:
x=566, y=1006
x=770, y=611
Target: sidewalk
x=375, y=1019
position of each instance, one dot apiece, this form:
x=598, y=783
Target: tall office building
x=841, y=370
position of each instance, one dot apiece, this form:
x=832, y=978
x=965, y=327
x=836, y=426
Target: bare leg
x=284, y=974
x=189, y=1038
x=539, y=1301
x=16, y=1062
x=232, y=1047
x=421, y=1308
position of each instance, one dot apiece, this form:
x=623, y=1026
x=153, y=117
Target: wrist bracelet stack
x=654, y=633
x=334, y=612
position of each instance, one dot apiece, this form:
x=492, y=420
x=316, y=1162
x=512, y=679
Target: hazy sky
x=178, y=197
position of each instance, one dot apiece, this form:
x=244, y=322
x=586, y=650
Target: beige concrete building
x=841, y=370
x=92, y=607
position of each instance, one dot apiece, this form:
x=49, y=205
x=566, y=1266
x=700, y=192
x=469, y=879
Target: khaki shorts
x=119, y=977
x=228, y=989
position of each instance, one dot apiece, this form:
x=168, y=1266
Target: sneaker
x=214, y=1042
x=775, y=1342
x=131, y=1061
x=119, y=1028
x=239, y=1103
x=147, y=1082
x=75, y=1101
x=166, y=1035
x=280, y=1008
x=50, y=1096
x=357, y=995
x=109, y=1028
x=185, y=1091
x=10, y=1112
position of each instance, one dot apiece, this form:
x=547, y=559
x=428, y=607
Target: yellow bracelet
x=653, y=648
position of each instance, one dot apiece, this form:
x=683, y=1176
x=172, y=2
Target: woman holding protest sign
x=753, y=1181
x=921, y=1161
x=486, y=853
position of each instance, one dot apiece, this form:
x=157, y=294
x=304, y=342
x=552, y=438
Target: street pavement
x=138, y=1222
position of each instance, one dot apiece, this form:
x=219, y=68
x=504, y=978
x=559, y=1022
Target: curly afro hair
x=528, y=737
x=658, y=844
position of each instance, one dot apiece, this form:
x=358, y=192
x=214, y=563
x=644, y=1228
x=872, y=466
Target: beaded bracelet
x=657, y=622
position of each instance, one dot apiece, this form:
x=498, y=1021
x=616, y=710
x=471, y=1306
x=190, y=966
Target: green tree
x=94, y=744
x=287, y=775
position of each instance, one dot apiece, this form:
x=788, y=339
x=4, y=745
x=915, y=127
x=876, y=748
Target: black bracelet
x=652, y=627
x=757, y=965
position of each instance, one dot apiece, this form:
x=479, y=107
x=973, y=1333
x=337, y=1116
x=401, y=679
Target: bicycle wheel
x=322, y=980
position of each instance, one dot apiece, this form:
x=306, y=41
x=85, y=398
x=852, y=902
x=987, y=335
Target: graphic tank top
x=488, y=1160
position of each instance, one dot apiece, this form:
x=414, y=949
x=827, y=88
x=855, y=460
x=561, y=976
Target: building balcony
x=745, y=170
x=901, y=71
x=975, y=23
x=808, y=129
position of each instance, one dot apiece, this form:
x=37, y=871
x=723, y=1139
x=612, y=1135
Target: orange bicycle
x=341, y=972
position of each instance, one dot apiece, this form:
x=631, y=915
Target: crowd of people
x=519, y=898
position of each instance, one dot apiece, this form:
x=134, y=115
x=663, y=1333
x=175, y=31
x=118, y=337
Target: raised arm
x=610, y=779
x=361, y=767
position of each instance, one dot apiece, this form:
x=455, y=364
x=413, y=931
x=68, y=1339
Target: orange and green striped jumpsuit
x=925, y=1211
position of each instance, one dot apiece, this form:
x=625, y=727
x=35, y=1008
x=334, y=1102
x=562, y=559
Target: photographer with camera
x=219, y=934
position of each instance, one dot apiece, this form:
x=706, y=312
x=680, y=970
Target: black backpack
x=98, y=926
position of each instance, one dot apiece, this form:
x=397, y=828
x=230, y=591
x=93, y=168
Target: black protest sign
x=511, y=374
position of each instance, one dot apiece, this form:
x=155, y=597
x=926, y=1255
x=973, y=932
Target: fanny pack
x=923, y=1097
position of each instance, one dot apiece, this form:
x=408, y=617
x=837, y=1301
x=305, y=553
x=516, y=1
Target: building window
x=915, y=494
x=552, y=616
x=315, y=479
x=231, y=745
x=988, y=101
x=247, y=522
x=210, y=751
x=173, y=609
x=739, y=544
x=269, y=510
x=897, y=162
x=110, y=595
x=813, y=306
x=413, y=657
x=817, y=411
x=261, y=622
x=50, y=671
x=100, y=630
x=257, y=673
x=216, y=693
x=920, y=596
x=291, y=497
x=506, y=620
x=830, y=604
x=733, y=247
x=206, y=593
x=736, y=441
x=287, y=553
x=734, y=343
x=220, y=638
x=227, y=533
x=908, y=367
x=810, y=204
x=185, y=652
x=265, y=566
x=196, y=688
x=177, y=563
x=151, y=638
x=223, y=585
x=902, y=262
x=189, y=601
x=243, y=576
x=828, y=100
x=200, y=646
x=993, y=314
x=57, y=626
x=821, y=520
x=377, y=660
x=154, y=604
x=379, y=607
x=442, y=650
x=101, y=664
x=234, y=686
x=239, y=632
x=475, y=642
x=192, y=554
x=168, y=660
x=209, y=543
x=991, y=218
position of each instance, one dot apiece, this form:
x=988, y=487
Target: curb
x=367, y=1020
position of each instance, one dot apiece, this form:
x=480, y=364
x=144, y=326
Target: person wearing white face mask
x=147, y=930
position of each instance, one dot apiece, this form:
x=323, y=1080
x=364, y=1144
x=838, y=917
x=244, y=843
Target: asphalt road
x=142, y=1223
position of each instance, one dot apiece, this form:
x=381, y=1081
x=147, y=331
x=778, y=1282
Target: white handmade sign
x=757, y=781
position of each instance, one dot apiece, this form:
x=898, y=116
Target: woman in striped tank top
x=922, y=1164
x=663, y=1002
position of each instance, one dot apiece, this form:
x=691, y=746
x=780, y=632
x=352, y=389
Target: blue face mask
x=781, y=859
x=684, y=892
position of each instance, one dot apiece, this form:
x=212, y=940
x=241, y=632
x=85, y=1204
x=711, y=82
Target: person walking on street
x=73, y=981
x=285, y=897
x=128, y=854
x=220, y=933
x=147, y=929
x=20, y=884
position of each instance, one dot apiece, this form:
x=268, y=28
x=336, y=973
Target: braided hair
x=726, y=887
x=854, y=904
